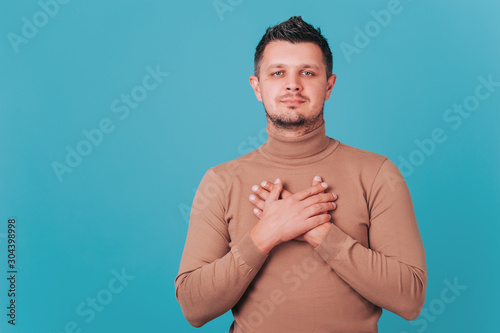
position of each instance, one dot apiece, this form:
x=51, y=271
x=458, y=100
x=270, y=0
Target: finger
x=261, y=192
x=276, y=191
x=269, y=186
x=256, y=201
x=316, y=220
x=319, y=208
x=257, y=212
x=312, y=223
x=301, y=195
x=316, y=180
x=319, y=198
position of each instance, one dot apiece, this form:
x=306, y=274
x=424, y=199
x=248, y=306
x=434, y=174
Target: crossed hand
x=302, y=216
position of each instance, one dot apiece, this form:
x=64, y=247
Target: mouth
x=292, y=101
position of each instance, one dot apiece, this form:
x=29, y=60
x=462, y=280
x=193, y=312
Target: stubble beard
x=296, y=122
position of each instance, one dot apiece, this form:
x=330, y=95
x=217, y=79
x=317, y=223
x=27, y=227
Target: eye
x=278, y=73
x=307, y=73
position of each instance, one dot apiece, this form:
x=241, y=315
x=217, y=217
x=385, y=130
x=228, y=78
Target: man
x=326, y=240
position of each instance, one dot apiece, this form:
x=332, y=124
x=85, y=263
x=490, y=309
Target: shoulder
x=375, y=171
x=364, y=165
x=226, y=172
x=361, y=156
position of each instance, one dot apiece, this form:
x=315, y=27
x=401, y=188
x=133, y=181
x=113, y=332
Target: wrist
x=262, y=240
x=316, y=237
x=313, y=241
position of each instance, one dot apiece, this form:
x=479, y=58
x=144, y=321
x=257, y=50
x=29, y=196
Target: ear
x=254, y=82
x=329, y=85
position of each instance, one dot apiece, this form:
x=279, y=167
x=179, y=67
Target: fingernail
x=255, y=188
x=317, y=178
x=252, y=197
x=256, y=210
x=335, y=196
x=263, y=184
x=324, y=185
x=277, y=181
x=334, y=205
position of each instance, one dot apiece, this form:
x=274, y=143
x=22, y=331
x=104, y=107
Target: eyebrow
x=301, y=66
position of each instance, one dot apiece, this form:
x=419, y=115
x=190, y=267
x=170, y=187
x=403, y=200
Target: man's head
x=294, y=30
x=294, y=77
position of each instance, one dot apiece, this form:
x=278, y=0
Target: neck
x=298, y=150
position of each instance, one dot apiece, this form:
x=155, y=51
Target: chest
x=351, y=215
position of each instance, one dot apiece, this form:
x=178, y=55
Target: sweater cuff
x=332, y=243
x=250, y=253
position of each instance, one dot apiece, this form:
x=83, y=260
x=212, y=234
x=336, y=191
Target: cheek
x=268, y=94
x=266, y=100
x=318, y=93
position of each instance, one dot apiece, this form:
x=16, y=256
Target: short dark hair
x=294, y=30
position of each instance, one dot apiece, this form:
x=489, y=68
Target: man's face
x=293, y=85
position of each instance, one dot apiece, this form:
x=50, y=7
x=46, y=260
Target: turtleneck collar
x=307, y=148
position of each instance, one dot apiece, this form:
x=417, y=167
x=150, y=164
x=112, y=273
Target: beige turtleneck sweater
x=371, y=258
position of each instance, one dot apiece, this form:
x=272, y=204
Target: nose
x=293, y=83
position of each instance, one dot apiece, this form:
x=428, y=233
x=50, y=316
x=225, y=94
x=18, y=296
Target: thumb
x=275, y=192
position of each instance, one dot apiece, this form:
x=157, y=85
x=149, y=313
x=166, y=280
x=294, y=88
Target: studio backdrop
x=112, y=111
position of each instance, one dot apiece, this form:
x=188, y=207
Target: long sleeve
x=212, y=275
x=391, y=273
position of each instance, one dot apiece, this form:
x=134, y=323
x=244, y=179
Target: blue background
x=124, y=206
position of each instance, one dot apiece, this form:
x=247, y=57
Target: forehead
x=284, y=53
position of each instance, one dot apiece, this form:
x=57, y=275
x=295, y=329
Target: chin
x=289, y=123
